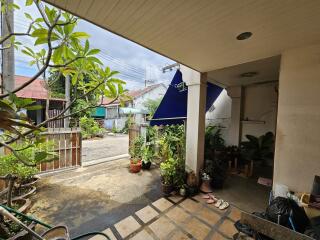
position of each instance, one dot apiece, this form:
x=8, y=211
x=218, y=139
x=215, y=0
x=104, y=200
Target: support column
x=234, y=135
x=195, y=133
x=8, y=81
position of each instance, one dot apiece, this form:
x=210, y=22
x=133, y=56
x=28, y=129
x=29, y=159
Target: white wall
x=259, y=103
x=297, y=156
x=220, y=113
x=153, y=94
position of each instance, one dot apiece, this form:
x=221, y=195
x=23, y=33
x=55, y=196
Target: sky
x=134, y=62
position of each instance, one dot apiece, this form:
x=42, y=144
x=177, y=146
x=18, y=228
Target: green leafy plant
x=136, y=149
x=213, y=138
x=148, y=153
x=259, y=149
x=152, y=105
x=168, y=171
x=89, y=127
x=12, y=170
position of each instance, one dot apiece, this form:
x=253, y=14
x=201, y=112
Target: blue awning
x=173, y=107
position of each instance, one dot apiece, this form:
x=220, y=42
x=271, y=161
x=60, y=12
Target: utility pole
x=8, y=64
x=67, y=97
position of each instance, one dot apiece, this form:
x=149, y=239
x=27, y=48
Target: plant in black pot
x=147, y=156
x=168, y=172
x=258, y=149
x=214, y=142
x=217, y=169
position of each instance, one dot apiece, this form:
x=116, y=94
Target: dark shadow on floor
x=245, y=193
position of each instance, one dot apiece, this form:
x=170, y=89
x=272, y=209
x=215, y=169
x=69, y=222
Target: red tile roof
x=35, y=90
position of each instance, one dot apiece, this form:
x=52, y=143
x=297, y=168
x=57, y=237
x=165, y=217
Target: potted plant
x=136, y=154
x=168, y=171
x=257, y=150
x=147, y=156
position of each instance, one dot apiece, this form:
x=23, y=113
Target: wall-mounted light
x=244, y=36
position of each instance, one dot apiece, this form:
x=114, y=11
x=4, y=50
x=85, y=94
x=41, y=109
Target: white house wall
x=259, y=103
x=220, y=114
x=153, y=94
x=297, y=156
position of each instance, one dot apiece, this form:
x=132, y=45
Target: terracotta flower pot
x=135, y=167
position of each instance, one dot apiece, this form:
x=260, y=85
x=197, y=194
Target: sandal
x=212, y=199
x=205, y=196
x=224, y=206
x=218, y=203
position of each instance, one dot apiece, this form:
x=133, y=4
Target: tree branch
x=17, y=155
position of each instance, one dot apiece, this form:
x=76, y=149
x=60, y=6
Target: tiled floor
x=176, y=218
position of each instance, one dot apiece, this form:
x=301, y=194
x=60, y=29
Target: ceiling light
x=248, y=74
x=244, y=35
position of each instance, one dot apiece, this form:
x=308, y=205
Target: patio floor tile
x=127, y=226
x=217, y=236
x=162, y=204
x=178, y=235
x=191, y=206
x=162, y=227
x=143, y=235
x=209, y=216
x=235, y=214
x=100, y=237
x=178, y=215
x=146, y=214
x=197, y=229
x=175, y=198
x=227, y=227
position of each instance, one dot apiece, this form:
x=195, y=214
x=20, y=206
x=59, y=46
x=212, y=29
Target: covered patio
x=235, y=45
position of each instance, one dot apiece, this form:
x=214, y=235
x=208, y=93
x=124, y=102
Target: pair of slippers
x=218, y=203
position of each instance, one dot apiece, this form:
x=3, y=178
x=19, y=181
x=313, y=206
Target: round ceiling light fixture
x=248, y=74
x=244, y=36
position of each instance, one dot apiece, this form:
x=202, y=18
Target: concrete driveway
x=105, y=148
x=93, y=198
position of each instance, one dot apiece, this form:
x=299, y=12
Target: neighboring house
x=116, y=115
x=37, y=91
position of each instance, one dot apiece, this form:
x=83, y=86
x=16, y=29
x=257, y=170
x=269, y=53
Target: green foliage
x=213, y=138
x=168, y=170
x=148, y=153
x=136, y=148
x=172, y=142
x=12, y=119
x=259, y=149
x=37, y=153
x=89, y=127
x=152, y=105
x=172, y=150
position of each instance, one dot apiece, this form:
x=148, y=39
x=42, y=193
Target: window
x=112, y=112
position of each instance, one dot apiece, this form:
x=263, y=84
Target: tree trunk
x=11, y=180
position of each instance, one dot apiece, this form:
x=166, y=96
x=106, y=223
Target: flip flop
x=224, y=206
x=218, y=203
x=211, y=201
x=205, y=196
x=213, y=197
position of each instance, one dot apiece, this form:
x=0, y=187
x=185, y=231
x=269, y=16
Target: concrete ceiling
x=202, y=34
x=266, y=70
